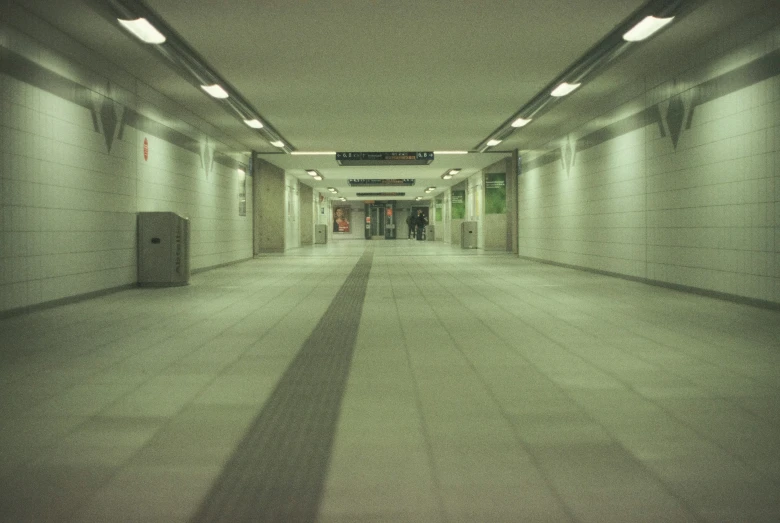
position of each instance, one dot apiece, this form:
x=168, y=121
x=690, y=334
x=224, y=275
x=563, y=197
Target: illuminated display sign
x=384, y=158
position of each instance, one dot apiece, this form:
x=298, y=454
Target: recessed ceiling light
x=564, y=89
x=311, y=172
x=215, y=90
x=318, y=178
x=453, y=172
x=447, y=176
x=143, y=30
x=254, y=124
x=493, y=142
x=645, y=28
x=277, y=143
x=521, y=122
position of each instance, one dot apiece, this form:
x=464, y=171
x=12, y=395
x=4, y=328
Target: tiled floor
x=481, y=388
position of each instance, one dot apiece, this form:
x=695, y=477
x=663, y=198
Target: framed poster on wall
x=341, y=216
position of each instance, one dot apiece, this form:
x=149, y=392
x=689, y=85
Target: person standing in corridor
x=422, y=221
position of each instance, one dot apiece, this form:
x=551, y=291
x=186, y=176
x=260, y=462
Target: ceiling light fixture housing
x=646, y=28
x=313, y=153
x=621, y=40
x=189, y=64
x=254, y=123
x=564, y=88
x=215, y=90
x=143, y=30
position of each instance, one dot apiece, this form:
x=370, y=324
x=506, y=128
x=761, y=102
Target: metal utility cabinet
x=468, y=235
x=163, y=249
x=320, y=233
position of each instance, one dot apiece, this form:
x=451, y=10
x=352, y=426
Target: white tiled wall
x=703, y=215
x=68, y=205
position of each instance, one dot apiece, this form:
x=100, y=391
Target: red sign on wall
x=146, y=149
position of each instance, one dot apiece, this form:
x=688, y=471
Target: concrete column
x=269, y=212
x=306, y=205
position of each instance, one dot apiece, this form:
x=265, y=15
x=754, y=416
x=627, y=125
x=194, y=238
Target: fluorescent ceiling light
x=493, y=142
x=143, y=30
x=318, y=178
x=277, y=143
x=311, y=172
x=453, y=172
x=645, y=28
x=520, y=122
x=319, y=153
x=215, y=90
x=564, y=89
x=254, y=124
x=343, y=199
x=450, y=152
x=446, y=176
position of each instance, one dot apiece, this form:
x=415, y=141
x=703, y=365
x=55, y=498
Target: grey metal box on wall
x=163, y=249
x=320, y=233
x=468, y=235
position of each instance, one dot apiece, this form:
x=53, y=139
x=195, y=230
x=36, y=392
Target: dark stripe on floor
x=278, y=471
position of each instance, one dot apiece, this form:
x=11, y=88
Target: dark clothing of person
x=422, y=221
x=410, y=223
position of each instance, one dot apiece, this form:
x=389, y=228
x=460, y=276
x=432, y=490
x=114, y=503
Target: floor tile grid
x=290, y=439
x=176, y=506
x=379, y=469
x=486, y=501
x=178, y=333
x=639, y=326
x=163, y=321
x=578, y=507
x=764, y=386
x=706, y=437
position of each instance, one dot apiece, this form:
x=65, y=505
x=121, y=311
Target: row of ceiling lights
x=136, y=19
x=596, y=58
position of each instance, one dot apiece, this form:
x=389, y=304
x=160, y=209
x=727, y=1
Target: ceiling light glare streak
x=450, y=152
x=645, y=28
x=313, y=153
x=215, y=90
x=254, y=124
x=143, y=30
x=521, y=122
x=564, y=89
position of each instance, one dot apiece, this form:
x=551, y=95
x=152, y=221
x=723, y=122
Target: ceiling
x=393, y=75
